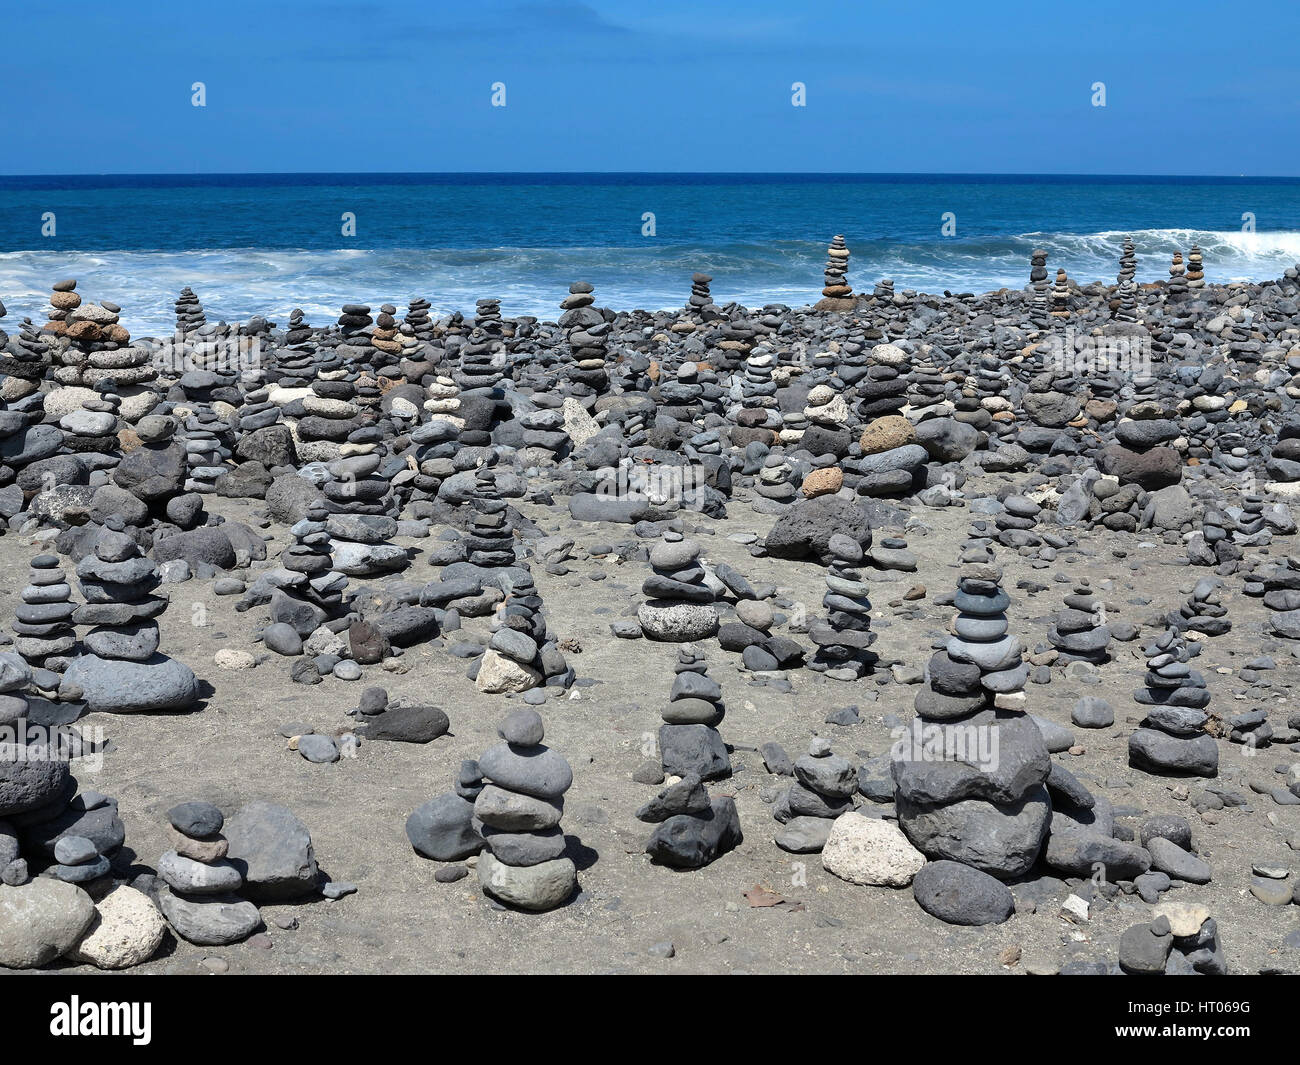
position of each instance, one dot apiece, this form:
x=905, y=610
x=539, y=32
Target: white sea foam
x=236, y=283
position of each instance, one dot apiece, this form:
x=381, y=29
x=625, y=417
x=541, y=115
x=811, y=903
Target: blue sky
x=657, y=85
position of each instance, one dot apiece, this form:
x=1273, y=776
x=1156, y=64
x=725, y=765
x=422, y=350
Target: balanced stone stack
x=689, y=741
x=837, y=267
x=25, y=360
x=1173, y=737
x=189, y=313
x=774, y=485
x=1039, y=311
x=1061, y=295
x=384, y=336
x=586, y=334
x=1078, y=632
x=844, y=638
x=884, y=391
x=1016, y=522
x=298, y=331
x=418, y=319
x=43, y=631
x=1127, y=262
x=700, y=302
x=92, y=429
x=353, y=321
x=984, y=802
x=1203, y=611
x=1280, y=583
x=491, y=539
x=826, y=408
x=693, y=828
x=1038, y=270
x=123, y=672
x=78, y=861
x=1141, y=453
x=823, y=789
x=519, y=811
x=308, y=591
x=521, y=653
x=357, y=485
x=1176, y=287
x=757, y=390
x=209, y=445
x=1127, y=296
x=482, y=362
x=1195, y=269
x=201, y=903
x=1126, y=290
x=680, y=605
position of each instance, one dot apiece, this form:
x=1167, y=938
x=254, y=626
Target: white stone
x=127, y=930
x=498, y=675
x=230, y=658
x=869, y=851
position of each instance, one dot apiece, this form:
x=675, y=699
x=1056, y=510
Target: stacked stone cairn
x=43, y=630
x=384, y=337
x=353, y=322
x=307, y=591
x=24, y=361
x=1039, y=307
x=679, y=607
x=700, y=303
x=587, y=336
x=208, y=447
x=1127, y=262
x=844, y=638
x=689, y=741
x=200, y=902
x=1195, y=269
x=491, y=539
x=978, y=805
x=518, y=813
x=1079, y=632
x=823, y=789
x=837, y=285
x=1173, y=737
x=1061, y=295
x=189, y=313
x=78, y=861
x=521, y=653
x=774, y=485
x=1280, y=583
x=693, y=829
x=417, y=318
x=1176, y=287
x=1127, y=309
x=123, y=671
x=93, y=428
x=1203, y=611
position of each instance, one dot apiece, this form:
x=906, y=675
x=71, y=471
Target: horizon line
x=1056, y=175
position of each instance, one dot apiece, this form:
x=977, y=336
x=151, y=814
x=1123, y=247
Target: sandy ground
x=401, y=920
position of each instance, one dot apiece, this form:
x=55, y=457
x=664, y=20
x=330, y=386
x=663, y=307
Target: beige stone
x=871, y=852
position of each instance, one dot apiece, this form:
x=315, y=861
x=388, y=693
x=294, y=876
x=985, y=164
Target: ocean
x=266, y=243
